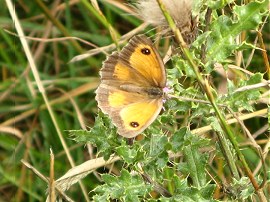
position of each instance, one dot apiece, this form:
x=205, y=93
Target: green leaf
x=217, y=4
x=221, y=42
x=127, y=154
x=196, y=163
x=186, y=193
x=182, y=66
x=102, y=134
x=157, y=154
x=237, y=99
x=241, y=189
x=207, y=191
x=130, y=154
x=250, y=15
x=201, y=40
x=195, y=140
x=215, y=124
x=177, y=139
x=201, y=110
x=254, y=79
x=126, y=187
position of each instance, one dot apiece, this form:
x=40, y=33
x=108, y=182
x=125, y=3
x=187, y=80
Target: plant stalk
x=206, y=88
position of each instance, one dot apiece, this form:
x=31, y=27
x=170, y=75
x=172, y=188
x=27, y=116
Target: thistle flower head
x=180, y=11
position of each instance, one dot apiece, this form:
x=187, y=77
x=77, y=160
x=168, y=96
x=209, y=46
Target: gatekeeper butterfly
x=131, y=88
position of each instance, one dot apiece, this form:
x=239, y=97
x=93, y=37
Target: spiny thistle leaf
x=221, y=42
x=126, y=187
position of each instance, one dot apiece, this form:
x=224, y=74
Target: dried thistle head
x=180, y=11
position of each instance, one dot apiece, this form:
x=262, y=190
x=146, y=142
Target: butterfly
x=131, y=89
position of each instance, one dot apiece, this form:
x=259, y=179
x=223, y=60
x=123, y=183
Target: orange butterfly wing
x=125, y=76
x=131, y=113
x=143, y=57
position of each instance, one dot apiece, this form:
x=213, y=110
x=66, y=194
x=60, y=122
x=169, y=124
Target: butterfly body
x=131, y=89
x=152, y=92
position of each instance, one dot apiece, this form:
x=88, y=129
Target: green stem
x=204, y=85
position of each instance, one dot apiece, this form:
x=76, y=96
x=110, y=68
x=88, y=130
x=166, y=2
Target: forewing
x=141, y=55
